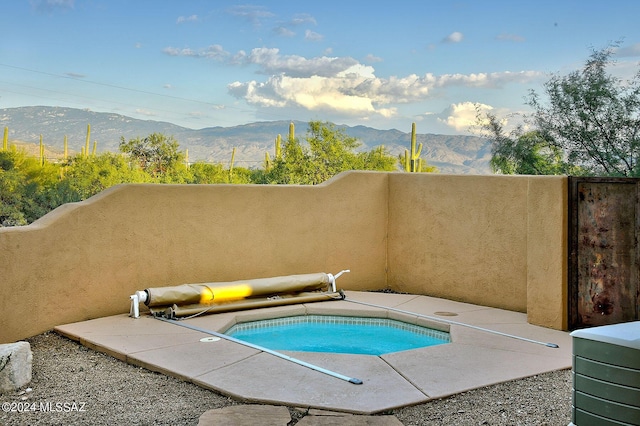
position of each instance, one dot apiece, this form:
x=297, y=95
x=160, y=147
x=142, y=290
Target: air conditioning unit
x=606, y=375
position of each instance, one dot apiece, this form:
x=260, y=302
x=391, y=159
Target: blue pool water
x=337, y=334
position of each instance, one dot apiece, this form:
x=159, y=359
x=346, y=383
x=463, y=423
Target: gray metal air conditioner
x=606, y=375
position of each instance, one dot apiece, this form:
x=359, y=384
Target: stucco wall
x=490, y=240
x=83, y=260
x=460, y=237
x=547, y=252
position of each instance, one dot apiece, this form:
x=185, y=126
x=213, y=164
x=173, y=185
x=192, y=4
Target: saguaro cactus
x=278, y=147
x=66, y=148
x=267, y=162
x=292, y=131
x=233, y=157
x=412, y=160
x=41, y=151
x=5, y=139
x=86, y=143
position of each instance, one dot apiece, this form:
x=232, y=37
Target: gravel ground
x=91, y=388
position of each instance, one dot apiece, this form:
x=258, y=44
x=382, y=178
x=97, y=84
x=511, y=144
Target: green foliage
x=157, y=155
x=331, y=151
x=589, y=127
x=378, y=159
x=31, y=187
x=23, y=188
x=525, y=153
x=328, y=151
x=204, y=173
x=294, y=166
x=87, y=176
x=242, y=175
x=593, y=117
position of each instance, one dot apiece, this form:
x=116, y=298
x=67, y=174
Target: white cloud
x=286, y=29
x=490, y=80
x=271, y=62
x=454, y=37
x=174, y=51
x=215, y=51
x=283, y=32
x=183, y=19
x=303, y=18
x=471, y=116
x=356, y=89
x=344, y=85
x=463, y=116
x=628, y=51
x=312, y=36
x=394, y=89
x=314, y=93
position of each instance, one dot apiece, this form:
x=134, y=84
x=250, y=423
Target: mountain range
x=456, y=154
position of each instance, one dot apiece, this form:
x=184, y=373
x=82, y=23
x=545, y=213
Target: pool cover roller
x=191, y=299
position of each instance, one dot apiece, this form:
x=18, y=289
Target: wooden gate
x=604, y=219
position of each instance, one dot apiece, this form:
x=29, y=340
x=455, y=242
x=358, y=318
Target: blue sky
x=201, y=63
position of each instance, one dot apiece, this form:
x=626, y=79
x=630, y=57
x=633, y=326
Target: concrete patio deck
x=473, y=359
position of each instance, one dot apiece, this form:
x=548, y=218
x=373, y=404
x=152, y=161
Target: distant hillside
x=451, y=154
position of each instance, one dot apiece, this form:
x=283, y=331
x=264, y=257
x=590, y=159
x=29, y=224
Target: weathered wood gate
x=604, y=220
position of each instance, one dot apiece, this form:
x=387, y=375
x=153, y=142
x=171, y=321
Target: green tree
x=86, y=176
x=11, y=191
x=204, y=173
x=327, y=152
x=157, y=155
x=593, y=117
x=331, y=151
x=25, y=185
x=525, y=153
x=293, y=166
x=379, y=159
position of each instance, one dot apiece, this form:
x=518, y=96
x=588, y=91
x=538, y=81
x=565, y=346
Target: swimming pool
x=337, y=334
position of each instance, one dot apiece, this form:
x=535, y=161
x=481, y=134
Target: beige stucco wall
x=460, y=237
x=547, y=252
x=490, y=240
x=83, y=261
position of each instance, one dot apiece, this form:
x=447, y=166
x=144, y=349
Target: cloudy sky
x=204, y=63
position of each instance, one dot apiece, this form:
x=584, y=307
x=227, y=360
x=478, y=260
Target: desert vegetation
x=589, y=125
x=31, y=185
